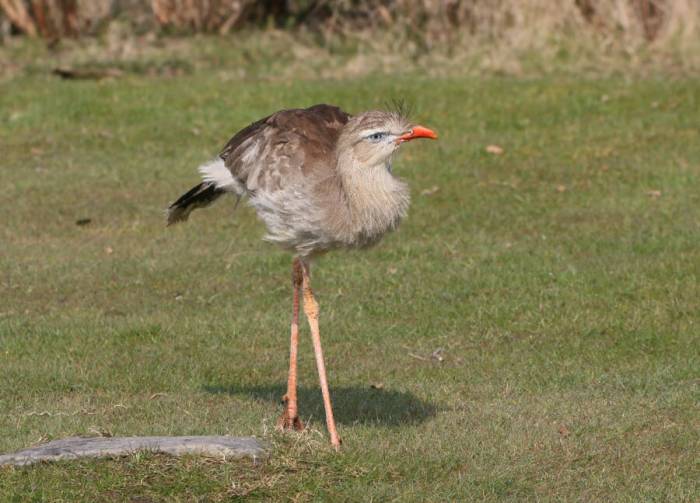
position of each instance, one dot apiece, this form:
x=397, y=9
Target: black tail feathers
x=199, y=196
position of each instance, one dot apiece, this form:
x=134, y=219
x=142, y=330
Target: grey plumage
x=317, y=177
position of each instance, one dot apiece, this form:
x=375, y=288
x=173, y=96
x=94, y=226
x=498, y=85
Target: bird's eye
x=376, y=136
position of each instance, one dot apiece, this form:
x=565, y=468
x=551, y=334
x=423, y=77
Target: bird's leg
x=289, y=420
x=311, y=311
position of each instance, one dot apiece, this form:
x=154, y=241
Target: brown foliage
x=218, y=15
x=48, y=18
x=16, y=11
x=54, y=19
x=201, y=15
x=429, y=21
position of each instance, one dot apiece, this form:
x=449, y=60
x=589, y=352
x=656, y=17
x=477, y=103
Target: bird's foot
x=287, y=422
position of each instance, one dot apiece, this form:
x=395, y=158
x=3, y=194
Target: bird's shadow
x=351, y=404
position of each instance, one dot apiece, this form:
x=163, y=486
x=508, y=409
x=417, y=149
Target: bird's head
x=371, y=138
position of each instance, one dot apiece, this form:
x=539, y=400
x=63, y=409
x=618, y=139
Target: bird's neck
x=376, y=201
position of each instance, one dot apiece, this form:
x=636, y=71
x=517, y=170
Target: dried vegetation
x=469, y=36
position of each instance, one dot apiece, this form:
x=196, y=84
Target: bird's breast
x=333, y=214
x=375, y=203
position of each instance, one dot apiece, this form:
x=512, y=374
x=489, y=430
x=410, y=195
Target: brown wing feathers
x=285, y=144
x=286, y=137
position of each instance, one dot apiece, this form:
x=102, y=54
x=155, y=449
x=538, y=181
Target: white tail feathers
x=216, y=172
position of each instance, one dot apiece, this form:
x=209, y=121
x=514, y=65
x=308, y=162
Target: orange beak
x=417, y=132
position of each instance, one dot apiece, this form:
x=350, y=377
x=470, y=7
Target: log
x=93, y=447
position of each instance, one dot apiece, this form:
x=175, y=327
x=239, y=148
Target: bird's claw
x=286, y=422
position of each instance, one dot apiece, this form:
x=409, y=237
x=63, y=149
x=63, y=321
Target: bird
x=320, y=179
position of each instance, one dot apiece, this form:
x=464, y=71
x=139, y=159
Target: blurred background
x=351, y=37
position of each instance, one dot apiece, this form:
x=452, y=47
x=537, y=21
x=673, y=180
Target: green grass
x=562, y=290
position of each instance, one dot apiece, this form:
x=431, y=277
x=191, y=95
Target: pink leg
x=289, y=420
x=311, y=311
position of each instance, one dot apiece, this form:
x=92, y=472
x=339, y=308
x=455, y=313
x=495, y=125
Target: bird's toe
x=287, y=422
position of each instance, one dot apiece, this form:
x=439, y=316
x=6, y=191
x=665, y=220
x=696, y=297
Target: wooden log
x=79, y=447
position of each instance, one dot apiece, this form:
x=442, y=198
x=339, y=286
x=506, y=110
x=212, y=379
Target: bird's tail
x=218, y=180
x=199, y=196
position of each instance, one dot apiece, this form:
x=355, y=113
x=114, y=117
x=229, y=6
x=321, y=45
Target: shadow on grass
x=351, y=405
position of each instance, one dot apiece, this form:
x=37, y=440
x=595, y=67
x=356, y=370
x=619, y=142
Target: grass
x=559, y=281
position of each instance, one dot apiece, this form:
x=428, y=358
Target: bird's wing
x=279, y=150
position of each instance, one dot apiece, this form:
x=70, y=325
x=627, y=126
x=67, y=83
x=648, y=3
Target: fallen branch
x=79, y=447
x=87, y=74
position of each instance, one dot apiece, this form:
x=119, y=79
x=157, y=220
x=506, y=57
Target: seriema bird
x=320, y=180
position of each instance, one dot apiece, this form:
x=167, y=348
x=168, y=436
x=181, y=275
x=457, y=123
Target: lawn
x=531, y=332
